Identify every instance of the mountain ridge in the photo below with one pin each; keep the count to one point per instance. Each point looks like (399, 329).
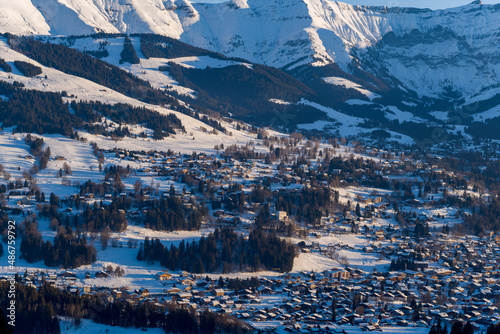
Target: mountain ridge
(417, 60)
(286, 34)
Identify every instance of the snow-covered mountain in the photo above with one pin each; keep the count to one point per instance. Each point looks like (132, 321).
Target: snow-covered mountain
(445, 55)
(434, 53)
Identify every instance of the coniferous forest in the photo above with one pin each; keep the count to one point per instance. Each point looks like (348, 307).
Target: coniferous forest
(80, 64)
(128, 54)
(4, 66)
(223, 250)
(27, 69)
(68, 249)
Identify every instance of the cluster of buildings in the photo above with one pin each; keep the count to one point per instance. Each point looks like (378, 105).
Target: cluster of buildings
(457, 280)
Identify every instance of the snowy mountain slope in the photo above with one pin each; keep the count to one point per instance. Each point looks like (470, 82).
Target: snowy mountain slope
(69, 17)
(21, 17)
(83, 89)
(260, 30)
(439, 54)
(210, 82)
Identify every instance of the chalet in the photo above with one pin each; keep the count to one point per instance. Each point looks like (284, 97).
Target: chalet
(173, 291)
(163, 276)
(101, 274)
(187, 281)
(143, 292)
(219, 292)
(282, 216)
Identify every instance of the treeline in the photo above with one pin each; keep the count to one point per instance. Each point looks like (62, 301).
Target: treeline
(80, 64)
(243, 92)
(128, 55)
(329, 94)
(36, 112)
(4, 66)
(170, 213)
(97, 217)
(27, 69)
(457, 328)
(487, 129)
(35, 314)
(222, 250)
(157, 46)
(67, 250)
(167, 214)
(44, 112)
(36, 145)
(238, 284)
(182, 320)
(37, 310)
(162, 125)
(4, 222)
(402, 264)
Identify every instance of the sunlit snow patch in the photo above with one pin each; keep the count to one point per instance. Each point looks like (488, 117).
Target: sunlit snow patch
(349, 84)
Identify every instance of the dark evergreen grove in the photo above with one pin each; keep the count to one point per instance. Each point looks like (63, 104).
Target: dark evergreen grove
(246, 93)
(170, 214)
(36, 112)
(162, 125)
(4, 66)
(243, 91)
(223, 251)
(67, 250)
(27, 69)
(158, 46)
(128, 55)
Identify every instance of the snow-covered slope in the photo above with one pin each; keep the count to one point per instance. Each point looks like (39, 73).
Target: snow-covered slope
(52, 80)
(258, 29)
(444, 53)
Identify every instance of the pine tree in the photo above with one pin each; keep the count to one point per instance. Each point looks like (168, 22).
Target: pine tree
(358, 210)
(468, 329)
(456, 328)
(334, 310)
